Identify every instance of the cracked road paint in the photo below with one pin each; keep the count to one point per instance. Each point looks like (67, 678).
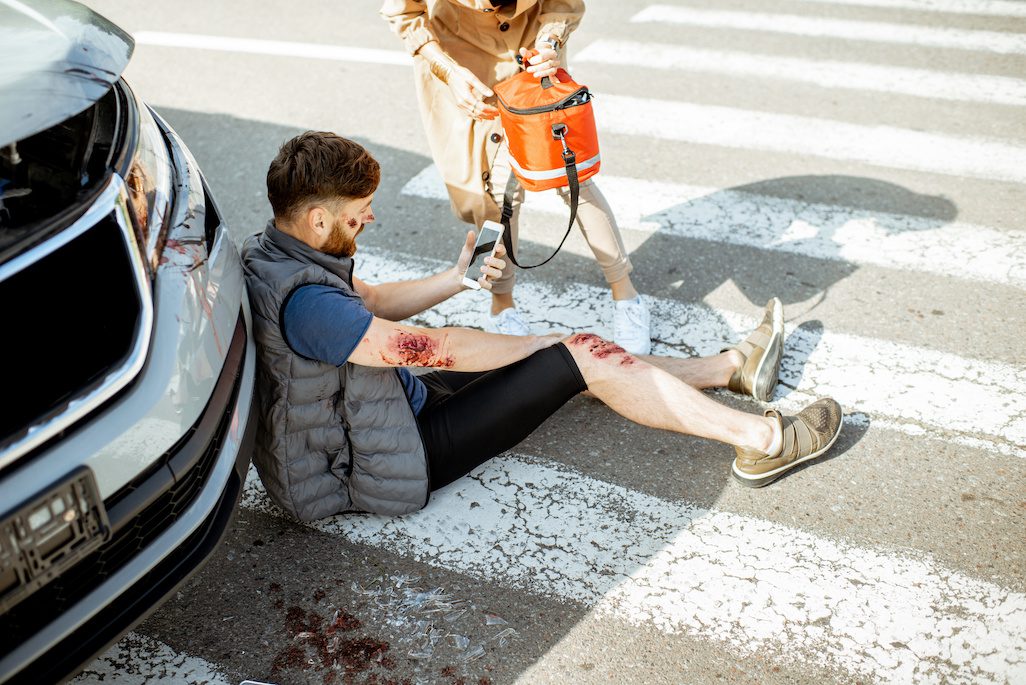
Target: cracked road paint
(974, 402)
(887, 146)
(873, 31)
(753, 585)
(140, 660)
(993, 8)
(1002, 90)
(858, 236)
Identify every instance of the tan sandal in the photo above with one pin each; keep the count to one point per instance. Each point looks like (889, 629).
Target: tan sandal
(805, 436)
(762, 351)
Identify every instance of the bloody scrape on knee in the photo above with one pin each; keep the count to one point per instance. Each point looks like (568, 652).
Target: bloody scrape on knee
(601, 349)
(415, 349)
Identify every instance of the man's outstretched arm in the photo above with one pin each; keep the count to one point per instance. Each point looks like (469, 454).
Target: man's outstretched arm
(403, 299)
(387, 343)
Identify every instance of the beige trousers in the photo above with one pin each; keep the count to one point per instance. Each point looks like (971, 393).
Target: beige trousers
(594, 218)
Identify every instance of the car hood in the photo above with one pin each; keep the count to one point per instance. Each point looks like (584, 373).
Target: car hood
(56, 59)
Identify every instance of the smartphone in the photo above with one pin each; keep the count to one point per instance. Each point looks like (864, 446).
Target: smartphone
(487, 242)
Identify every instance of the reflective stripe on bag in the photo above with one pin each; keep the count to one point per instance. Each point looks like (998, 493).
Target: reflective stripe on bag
(550, 174)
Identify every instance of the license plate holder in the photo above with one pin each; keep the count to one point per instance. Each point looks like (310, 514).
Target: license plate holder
(48, 534)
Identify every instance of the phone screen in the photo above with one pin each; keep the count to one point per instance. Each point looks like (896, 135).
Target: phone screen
(486, 240)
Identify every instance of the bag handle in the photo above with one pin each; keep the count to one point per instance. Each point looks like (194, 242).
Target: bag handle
(570, 164)
(546, 81)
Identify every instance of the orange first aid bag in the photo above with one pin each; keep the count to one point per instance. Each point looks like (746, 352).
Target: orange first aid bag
(543, 120)
(553, 143)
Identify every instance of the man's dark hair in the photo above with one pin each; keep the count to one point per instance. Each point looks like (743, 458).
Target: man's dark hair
(319, 167)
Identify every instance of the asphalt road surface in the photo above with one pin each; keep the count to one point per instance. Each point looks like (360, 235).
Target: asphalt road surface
(864, 160)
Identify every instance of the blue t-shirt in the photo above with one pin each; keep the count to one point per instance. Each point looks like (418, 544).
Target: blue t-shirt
(325, 324)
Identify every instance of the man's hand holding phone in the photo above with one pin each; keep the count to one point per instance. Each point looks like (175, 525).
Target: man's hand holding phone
(482, 257)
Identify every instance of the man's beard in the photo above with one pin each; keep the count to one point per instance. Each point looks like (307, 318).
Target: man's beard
(338, 243)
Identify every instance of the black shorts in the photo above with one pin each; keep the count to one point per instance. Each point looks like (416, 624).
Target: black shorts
(470, 417)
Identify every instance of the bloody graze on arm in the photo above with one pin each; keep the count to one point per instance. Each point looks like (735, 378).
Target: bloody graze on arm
(415, 349)
(601, 349)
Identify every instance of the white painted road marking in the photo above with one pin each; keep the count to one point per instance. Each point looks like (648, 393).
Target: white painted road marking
(272, 47)
(872, 31)
(1002, 90)
(140, 660)
(747, 130)
(901, 382)
(710, 125)
(757, 586)
(857, 236)
(992, 8)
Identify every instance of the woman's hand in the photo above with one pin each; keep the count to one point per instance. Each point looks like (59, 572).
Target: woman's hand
(467, 90)
(544, 63)
(470, 92)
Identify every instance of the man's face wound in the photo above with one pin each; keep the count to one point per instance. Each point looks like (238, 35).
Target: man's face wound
(341, 240)
(350, 222)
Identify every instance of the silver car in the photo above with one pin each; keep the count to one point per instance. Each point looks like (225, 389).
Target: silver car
(128, 365)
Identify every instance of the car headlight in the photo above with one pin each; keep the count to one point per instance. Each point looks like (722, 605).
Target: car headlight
(148, 184)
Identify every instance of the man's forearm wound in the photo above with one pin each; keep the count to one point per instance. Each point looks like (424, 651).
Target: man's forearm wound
(601, 349)
(416, 349)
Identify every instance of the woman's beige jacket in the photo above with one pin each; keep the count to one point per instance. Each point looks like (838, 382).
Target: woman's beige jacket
(486, 40)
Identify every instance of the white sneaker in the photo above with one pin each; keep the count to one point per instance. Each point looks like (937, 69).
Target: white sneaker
(631, 326)
(507, 322)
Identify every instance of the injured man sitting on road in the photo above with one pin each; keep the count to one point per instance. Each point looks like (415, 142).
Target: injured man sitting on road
(346, 426)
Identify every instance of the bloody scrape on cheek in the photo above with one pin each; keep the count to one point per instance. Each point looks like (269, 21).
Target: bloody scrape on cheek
(351, 223)
(415, 349)
(601, 349)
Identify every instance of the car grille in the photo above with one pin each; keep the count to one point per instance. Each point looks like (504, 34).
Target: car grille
(72, 319)
(169, 487)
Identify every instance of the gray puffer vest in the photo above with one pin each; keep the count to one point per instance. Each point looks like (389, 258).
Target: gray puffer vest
(330, 439)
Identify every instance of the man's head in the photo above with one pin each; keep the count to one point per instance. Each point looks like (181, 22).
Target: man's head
(320, 186)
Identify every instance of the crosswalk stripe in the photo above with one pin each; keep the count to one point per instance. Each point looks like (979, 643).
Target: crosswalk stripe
(877, 32)
(272, 47)
(748, 130)
(903, 383)
(141, 660)
(754, 585)
(1000, 90)
(857, 236)
(992, 8)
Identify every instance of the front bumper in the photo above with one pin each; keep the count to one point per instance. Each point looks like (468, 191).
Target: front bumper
(182, 506)
(170, 451)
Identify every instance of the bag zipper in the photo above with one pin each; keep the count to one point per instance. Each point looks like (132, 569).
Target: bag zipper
(579, 97)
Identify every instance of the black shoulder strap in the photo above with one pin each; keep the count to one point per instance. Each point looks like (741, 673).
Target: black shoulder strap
(570, 162)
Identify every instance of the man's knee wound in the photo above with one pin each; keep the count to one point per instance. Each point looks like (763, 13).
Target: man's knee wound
(601, 349)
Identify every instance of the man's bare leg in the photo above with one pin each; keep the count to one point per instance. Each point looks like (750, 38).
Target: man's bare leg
(699, 372)
(658, 398)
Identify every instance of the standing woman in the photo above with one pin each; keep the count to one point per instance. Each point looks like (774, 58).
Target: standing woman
(461, 48)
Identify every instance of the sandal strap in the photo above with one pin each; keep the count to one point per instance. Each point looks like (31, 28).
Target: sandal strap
(756, 339)
(798, 438)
